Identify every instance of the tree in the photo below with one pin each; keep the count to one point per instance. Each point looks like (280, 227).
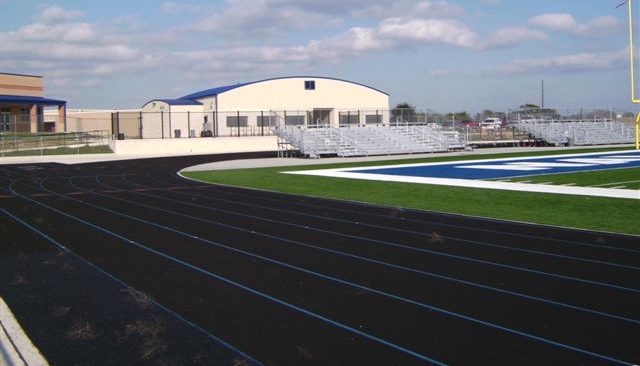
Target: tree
(459, 116)
(404, 112)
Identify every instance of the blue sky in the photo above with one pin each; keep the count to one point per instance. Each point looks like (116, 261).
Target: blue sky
(445, 55)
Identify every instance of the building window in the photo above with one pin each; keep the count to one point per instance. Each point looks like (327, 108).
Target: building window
(294, 120)
(232, 121)
(349, 118)
(373, 119)
(266, 121)
(309, 85)
(24, 114)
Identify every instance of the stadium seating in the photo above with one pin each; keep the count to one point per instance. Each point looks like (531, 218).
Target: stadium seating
(316, 141)
(560, 133)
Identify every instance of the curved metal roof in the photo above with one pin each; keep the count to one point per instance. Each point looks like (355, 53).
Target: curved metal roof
(222, 89)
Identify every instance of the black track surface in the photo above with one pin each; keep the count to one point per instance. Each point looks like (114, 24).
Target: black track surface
(239, 276)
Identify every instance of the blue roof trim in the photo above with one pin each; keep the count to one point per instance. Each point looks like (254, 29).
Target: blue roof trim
(213, 91)
(180, 101)
(222, 89)
(21, 99)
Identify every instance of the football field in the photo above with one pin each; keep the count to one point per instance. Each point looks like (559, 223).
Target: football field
(523, 192)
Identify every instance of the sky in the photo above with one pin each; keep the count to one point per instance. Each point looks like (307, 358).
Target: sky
(447, 55)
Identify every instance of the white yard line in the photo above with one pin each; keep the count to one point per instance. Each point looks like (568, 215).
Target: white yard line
(543, 187)
(613, 184)
(470, 183)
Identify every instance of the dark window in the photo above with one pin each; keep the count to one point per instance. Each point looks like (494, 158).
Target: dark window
(24, 114)
(266, 121)
(232, 121)
(294, 120)
(309, 85)
(351, 118)
(373, 118)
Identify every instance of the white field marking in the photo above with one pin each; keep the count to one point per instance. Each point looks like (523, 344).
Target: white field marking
(353, 173)
(618, 187)
(522, 158)
(544, 183)
(23, 346)
(551, 164)
(471, 183)
(568, 184)
(524, 181)
(524, 168)
(613, 184)
(600, 161)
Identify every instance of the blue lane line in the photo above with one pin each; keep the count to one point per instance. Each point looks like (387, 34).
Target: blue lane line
(351, 284)
(474, 242)
(366, 259)
(116, 279)
(387, 243)
(226, 280)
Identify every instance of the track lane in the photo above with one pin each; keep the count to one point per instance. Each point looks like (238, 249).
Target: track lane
(270, 228)
(173, 220)
(505, 240)
(358, 271)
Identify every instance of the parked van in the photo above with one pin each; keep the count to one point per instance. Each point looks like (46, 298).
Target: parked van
(492, 122)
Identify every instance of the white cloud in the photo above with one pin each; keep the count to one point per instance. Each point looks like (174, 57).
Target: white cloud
(441, 72)
(511, 36)
(410, 8)
(175, 8)
(567, 23)
(54, 13)
(68, 48)
(241, 19)
(578, 62)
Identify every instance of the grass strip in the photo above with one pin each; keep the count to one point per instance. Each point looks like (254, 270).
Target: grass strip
(100, 149)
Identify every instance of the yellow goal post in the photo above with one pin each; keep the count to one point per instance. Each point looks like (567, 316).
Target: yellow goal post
(632, 61)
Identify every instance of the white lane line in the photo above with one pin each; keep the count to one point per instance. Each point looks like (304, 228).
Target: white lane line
(618, 187)
(568, 184)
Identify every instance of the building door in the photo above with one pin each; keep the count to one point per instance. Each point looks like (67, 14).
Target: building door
(5, 119)
(321, 116)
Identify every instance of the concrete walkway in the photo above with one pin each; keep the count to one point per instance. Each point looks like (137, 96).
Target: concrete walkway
(284, 162)
(16, 348)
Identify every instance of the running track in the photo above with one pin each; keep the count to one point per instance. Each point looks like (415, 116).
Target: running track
(286, 280)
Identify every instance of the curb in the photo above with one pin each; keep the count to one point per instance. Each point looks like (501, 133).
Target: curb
(15, 346)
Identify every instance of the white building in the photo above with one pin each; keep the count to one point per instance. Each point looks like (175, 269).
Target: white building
(250, 108)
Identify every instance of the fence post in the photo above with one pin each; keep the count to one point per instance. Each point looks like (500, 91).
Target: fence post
(262, 123)
(238, 121)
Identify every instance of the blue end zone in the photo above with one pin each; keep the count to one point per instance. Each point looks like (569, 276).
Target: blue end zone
(519, 167)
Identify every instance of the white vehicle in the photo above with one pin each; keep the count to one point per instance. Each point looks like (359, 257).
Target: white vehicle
(492, 123)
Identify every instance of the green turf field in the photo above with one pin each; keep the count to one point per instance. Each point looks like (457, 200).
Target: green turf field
(595, 213)
(613, 178)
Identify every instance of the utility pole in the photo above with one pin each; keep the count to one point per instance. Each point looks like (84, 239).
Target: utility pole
(542, 99)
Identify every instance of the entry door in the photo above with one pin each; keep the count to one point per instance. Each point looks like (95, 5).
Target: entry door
(321, 116)
(5, 120)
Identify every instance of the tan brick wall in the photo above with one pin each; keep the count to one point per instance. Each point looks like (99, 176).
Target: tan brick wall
(32, 86)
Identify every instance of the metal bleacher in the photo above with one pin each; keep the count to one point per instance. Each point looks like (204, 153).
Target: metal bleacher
(353, 140)
(562, 133)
